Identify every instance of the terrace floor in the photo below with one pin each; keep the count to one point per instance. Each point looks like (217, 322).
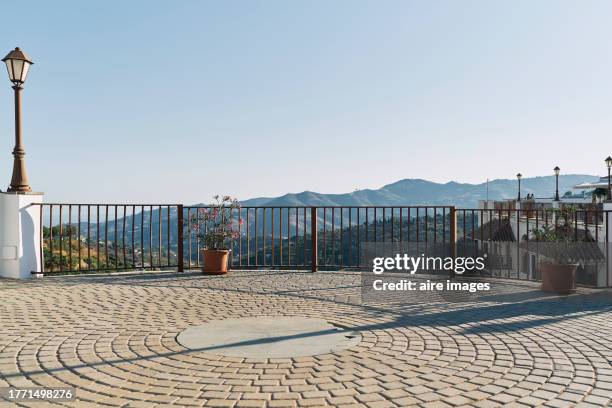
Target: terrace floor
(113, 338)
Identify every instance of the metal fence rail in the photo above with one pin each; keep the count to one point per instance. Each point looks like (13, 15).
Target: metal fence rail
(506, 238)
(78, 238)
(282, 236)
(108, 237)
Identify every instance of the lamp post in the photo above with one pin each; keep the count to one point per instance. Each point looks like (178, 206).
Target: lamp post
(18, 64)
(556, 170)
(609, 165)
(519, 176)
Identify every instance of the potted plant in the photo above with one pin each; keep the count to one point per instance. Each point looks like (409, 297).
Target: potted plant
(557, 244)
(599, 194)
(216, 226)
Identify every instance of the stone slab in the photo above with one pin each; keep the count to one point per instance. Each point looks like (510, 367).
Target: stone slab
(268, 337)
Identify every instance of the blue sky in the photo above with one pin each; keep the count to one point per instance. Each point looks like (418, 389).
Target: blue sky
(175, 101)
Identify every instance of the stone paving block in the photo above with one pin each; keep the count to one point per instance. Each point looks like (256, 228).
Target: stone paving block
(365, 398)
(251, 403)
(559, 403)
(596, 400)
(341, 401)
(220, 403)
(311, 402)
(282, 403)
(379, 404)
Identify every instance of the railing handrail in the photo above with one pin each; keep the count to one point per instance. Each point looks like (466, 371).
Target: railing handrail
(115, 204)
(328, 206)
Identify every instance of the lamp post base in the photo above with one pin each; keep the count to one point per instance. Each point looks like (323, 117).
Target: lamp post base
(19, 189)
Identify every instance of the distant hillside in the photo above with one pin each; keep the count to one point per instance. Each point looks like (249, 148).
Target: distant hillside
(146, 230)
(422, 192)
(402, 193)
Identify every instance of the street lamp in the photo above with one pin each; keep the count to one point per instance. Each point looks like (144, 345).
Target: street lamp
(518, 176)
(609, 165)
(18, 64)
(556, 170)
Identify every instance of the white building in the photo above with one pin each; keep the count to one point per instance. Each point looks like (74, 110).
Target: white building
(505, 234)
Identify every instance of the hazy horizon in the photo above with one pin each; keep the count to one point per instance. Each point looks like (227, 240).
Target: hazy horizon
(525, 182)
(176, 101)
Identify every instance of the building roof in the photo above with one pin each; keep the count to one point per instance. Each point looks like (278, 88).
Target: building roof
(602, 183)
(494, 230)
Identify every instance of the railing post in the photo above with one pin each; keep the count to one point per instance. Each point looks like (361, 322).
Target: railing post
(179, 245)
(453, 237)
(314, 253)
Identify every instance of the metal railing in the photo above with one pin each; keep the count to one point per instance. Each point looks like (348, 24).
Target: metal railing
(108, 237)
(117, 237)
(78, 238)
(282, 236)
(506, 238)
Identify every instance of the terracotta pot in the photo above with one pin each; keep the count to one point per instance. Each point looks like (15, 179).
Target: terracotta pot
(215, 261)
(558, 278)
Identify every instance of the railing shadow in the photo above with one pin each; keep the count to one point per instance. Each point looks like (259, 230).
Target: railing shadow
(495, 306)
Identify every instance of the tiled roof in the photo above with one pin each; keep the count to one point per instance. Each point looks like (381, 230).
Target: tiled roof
(494, 230)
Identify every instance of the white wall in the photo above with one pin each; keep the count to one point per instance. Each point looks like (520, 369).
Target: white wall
(20, 235)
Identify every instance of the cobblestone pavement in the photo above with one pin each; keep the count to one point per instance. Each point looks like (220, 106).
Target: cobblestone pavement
(113, 338)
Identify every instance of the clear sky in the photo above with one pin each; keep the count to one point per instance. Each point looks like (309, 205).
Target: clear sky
(173, 101)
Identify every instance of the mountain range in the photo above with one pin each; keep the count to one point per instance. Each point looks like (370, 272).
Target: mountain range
(424, 192)
(405, 192)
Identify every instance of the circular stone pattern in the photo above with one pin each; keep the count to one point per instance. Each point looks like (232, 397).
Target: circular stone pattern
(268, 337)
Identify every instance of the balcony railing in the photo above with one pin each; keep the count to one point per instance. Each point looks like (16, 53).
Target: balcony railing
(118, 237)
(109, 237)
(283, 236)
(82, 238)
